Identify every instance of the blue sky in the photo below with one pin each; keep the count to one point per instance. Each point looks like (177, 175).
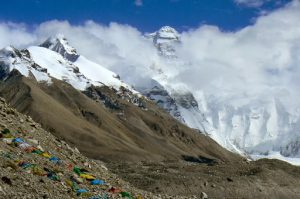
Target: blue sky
(145, 15)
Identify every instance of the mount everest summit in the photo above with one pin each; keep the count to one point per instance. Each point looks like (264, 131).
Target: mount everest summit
(255, 126)
(258, 127)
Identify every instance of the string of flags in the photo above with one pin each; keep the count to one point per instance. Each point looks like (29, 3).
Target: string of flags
(78, 175)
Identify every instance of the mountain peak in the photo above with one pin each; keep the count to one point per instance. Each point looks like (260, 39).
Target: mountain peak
(168, 32)
(164, 39)
(164, 33)
(167, 28)
(60, 44)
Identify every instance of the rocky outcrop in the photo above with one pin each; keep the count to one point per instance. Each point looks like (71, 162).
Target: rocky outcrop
(162, 98)
(292, 149)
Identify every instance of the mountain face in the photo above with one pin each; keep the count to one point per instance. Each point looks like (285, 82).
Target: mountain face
(256, 126)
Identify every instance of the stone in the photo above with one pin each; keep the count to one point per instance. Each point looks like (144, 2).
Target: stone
(229, 179)
(6, 180)
(203, 195)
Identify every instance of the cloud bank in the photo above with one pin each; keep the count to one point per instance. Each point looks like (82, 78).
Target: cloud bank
(261, 60)
(261, 57)
(16, 35)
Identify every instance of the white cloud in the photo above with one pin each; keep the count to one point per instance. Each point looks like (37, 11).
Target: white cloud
(15, 34)
(251, 3)
(138, 2)
(260, 58)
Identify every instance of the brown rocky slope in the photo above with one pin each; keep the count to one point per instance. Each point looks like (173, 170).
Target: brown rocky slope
(127, 133)
(144, 145)
(35, 164)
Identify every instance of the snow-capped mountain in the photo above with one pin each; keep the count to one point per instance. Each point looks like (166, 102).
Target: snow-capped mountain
(258, 127)
(61, 45)
(56, 58)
